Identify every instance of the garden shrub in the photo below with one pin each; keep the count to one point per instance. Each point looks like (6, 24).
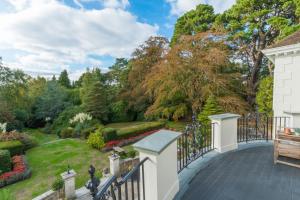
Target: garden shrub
(93, 127)
(127, 132)
(27, 140)
(62, 121)
(96, 140)
(131, 153)
(58, 184)
(20, 171)
(67, 133)
(5, 161)
(15, 147)
(109, 134)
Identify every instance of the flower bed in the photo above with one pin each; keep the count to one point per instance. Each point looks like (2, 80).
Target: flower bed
(19, 172)
(109, 145)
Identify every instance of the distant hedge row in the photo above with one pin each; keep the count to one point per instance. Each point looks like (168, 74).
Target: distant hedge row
(127, 132)
(15, 147)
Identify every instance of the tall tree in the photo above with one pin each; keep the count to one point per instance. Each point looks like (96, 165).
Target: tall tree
(93, 94)
(64, 80)
(253, 25)
(198, 20)
(51, 103)
(195, 68)
(143, 60)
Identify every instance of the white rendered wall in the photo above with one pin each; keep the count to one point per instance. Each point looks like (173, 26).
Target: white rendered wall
(286, 96)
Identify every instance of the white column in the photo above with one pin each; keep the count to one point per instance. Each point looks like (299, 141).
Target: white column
(69, 179)
(160, 171)
(114, 161)
(225, 131)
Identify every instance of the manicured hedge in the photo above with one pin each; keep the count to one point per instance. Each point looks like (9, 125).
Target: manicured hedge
(5, 161)
(109, 134)
(15, 147)
(130, 131)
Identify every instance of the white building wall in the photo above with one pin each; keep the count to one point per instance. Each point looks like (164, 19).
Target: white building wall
(286, 96)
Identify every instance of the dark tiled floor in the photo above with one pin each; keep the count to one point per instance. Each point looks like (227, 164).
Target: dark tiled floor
(246, 175)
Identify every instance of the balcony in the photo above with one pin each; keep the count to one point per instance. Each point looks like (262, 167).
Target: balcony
(248, 173)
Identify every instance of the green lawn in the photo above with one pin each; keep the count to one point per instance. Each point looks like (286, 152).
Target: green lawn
(48, 160)
(41, 137)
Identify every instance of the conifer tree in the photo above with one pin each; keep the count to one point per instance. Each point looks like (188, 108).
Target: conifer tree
(211, 107)
(64, 80)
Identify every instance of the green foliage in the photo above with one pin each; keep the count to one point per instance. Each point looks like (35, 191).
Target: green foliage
(6, 194)
(67, 132)
(119, 112)
(64, 80)
(211, 107)
(58, 184)
(5, 161)
(252, 26)
(96, 140)
(130, 131)
(27, 140)
(264, 98)
(94, 95)
(109, 134)
(51, 103)
(15, 147)
(194, 21)
(131, 153)
(63, 120)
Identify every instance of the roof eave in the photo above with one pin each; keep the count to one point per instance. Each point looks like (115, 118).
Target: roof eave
(272, 53)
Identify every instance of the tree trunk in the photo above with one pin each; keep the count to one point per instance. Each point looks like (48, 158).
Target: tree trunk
(254, 78)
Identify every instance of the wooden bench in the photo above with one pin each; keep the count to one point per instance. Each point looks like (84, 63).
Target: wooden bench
(287, 146)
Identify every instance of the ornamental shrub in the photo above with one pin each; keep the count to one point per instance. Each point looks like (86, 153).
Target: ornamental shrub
(211, 107)
(14, 147)
(67, 133)
(96, 140)
(27, 140)
(264, 97)
(5, 161)
(62, 121)
(109, 134)
(58, 184)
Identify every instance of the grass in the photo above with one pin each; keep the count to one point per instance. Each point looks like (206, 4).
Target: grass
(178, 126)
(41, 137)
(48, 160)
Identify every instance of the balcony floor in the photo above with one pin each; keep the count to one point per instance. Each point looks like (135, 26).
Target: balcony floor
(246, 175)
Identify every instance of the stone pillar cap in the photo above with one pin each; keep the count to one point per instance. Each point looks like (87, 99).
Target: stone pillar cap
(157, 142)
(66, 175)
(224, 116)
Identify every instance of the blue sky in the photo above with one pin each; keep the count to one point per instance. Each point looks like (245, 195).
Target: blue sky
(43, 37)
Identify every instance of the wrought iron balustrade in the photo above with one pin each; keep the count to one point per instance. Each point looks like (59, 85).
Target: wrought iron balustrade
(195, 141)
(131, 186)
(259, 127)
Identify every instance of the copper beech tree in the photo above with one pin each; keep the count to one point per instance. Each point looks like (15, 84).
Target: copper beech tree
(195, 68)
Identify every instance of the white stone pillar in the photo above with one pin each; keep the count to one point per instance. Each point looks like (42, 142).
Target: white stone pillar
(225, 131)
(114, 167)
(69, 179)
(160, 170)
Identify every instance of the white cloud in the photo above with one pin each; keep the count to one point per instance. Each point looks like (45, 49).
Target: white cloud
(53, 35)
(179, 7)
(105, 3)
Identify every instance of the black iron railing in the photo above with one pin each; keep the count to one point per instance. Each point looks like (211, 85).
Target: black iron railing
(131, 186)
(195, 141)
(259, 127)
